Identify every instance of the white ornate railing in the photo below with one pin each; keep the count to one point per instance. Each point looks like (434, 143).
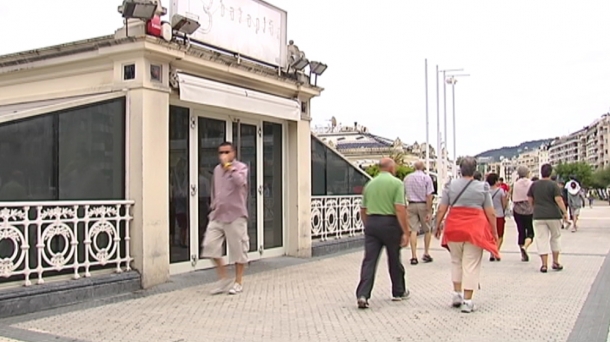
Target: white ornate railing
(339, 216)
(40, 238)
(335, 217)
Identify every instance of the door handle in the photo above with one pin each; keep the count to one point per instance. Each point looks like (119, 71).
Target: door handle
(193, 190)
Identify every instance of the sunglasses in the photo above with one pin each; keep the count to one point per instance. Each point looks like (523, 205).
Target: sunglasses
(224, 152)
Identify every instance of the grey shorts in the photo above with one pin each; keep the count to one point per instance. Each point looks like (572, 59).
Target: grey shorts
(236, 235)
(417, 217)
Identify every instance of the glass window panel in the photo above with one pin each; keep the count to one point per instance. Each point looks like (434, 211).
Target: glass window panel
(27, 160)
(212, 133)
(245, 141)
(273, 171)
(179, 241)
(91, 152)
(318, 168)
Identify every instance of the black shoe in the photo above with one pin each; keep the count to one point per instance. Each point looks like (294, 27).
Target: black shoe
(524, 256)
(414, 261)
(492, 258)
(427, 258)
(363, 303)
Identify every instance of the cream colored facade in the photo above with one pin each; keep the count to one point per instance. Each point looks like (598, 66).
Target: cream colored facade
(93, 70)
(589, 145)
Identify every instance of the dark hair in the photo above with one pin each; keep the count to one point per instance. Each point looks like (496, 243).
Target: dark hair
(477, 175)
(227, 143)
(501, 179)
(492, 179)
(573, 185)
(535, 179)
(546, 170)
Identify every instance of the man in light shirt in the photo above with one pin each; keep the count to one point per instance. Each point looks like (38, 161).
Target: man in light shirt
(419, 190)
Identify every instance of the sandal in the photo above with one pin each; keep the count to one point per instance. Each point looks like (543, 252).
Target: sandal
(414, 261)
(557, 266)
(544, 269)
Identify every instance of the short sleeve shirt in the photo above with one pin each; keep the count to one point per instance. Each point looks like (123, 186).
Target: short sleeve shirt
(544, 192)
(496, 198)
(475, 196)
(382, 193)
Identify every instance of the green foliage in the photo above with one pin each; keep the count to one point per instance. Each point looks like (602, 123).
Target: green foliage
(401, 170)
(582, 171)
(601, 178)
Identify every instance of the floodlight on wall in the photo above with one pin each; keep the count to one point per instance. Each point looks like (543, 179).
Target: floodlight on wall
(138, 9)
(184, 24)
(299, 64)
(317, 69)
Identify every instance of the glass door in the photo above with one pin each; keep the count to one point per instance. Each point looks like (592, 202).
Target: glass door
(246, 138)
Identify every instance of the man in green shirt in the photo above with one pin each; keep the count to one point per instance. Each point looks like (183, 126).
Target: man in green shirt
(384, 215)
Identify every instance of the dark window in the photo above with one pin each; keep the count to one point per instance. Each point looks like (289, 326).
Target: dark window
(74, 154)
(331, 175)
(129, 72)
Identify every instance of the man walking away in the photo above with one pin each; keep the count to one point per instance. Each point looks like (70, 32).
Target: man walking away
(419, 190)
(385, 221)
(228, 219)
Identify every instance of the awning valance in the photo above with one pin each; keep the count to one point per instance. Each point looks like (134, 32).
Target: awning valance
(25, 110)
(211, 93)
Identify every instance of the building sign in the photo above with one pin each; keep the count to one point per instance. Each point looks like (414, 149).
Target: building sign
(251, 28)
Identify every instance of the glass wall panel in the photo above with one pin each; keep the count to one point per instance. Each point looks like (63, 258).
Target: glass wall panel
(28, 159)
(212, 133)
(244, 138)
(75, 154)
(318, 168)
(179, 241)
(331, 175)
(273, 175)
(92, 152)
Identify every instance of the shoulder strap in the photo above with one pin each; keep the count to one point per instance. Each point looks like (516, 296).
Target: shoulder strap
(495, 193)
(460, 194)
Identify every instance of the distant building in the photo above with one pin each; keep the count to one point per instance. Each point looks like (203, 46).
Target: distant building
(363, 148)
(589, 144)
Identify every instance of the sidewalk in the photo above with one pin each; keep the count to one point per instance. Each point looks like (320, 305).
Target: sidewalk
(313, 300)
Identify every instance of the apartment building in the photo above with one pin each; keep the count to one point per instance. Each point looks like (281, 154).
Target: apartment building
(589, 144)
(534, 159)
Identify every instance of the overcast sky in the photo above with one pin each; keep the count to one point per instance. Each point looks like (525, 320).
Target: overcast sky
(538, 69)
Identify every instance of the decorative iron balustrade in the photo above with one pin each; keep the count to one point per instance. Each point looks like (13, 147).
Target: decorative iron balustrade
(335, 216)
(58, 237)
(339, 216)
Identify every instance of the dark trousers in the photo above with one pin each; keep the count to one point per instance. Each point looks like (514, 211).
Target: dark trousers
(525, 227)
(379, 232)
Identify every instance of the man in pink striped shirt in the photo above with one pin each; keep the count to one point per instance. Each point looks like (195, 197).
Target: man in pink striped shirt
(419, 190)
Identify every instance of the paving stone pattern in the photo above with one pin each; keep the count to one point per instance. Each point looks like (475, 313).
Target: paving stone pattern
(314, 301)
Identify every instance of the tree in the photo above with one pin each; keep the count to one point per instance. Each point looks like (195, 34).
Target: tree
(601, 178)
(401, 170)
(581, 171)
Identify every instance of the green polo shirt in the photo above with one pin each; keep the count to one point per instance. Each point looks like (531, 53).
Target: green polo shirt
(381, 194)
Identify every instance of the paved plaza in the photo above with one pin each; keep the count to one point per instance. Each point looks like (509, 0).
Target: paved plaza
(288, 299)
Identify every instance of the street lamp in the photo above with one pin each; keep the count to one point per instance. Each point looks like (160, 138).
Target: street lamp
(445, 71)
(452, 81)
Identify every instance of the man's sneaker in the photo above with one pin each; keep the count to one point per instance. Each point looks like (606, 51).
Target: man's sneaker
(403, 297)
(458, 300)
(237, 288)
(363, 303)
(221, 286)
(467, 306)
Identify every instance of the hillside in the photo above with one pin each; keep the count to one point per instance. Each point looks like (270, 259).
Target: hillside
(511, 151)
